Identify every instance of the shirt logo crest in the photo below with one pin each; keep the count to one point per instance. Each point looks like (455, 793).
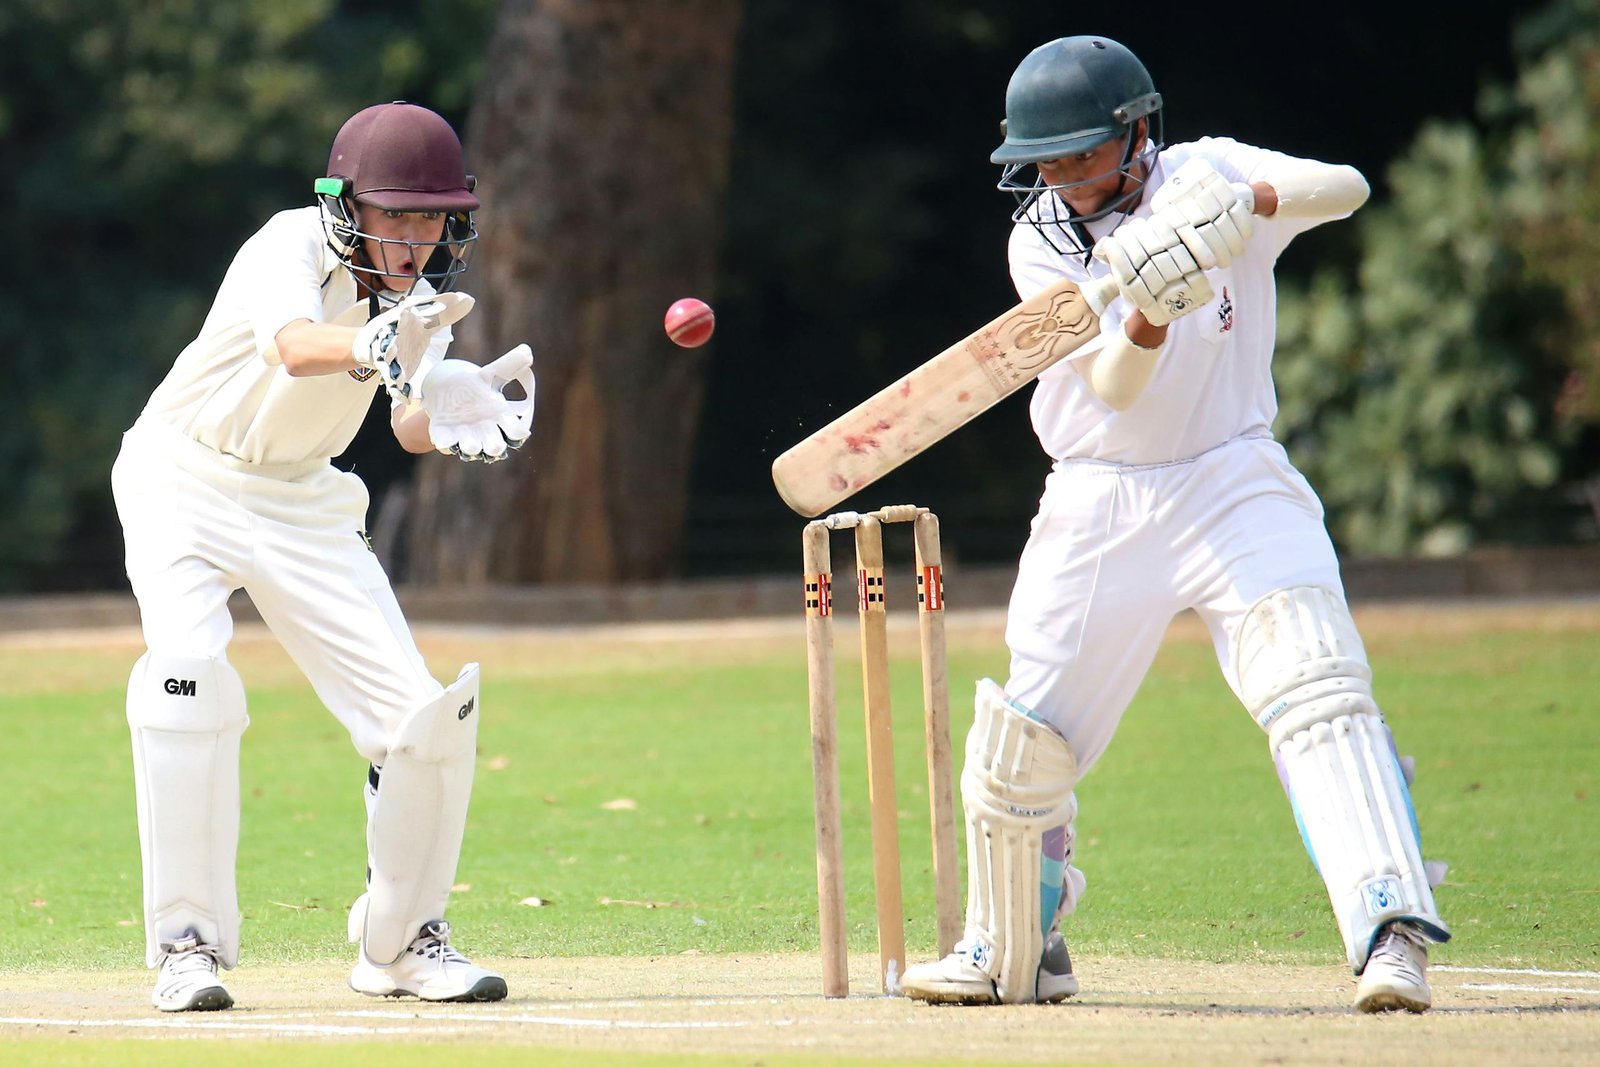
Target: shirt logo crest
(361, 374)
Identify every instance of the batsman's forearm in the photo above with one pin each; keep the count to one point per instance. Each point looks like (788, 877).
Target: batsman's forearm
(1119, 372)
(308, 349)
(1307, 189)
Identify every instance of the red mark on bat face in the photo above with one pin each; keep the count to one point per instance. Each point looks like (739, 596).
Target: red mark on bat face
(859, 443)
(905, 388)
(837, 483)
(963, 396)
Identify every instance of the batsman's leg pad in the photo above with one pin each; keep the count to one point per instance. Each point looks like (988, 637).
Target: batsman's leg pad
(186, 716)
(1303, 673)
(417, 819)
(1016, 787)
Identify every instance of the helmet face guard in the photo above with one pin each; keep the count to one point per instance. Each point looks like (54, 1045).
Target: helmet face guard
(441, 262)
(1040, 204)
(405, 158)
(1065, 98)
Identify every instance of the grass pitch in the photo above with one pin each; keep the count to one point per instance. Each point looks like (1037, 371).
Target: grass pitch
(645, 791)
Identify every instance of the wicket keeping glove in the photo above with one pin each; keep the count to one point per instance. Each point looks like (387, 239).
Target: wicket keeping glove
(396, 341)
(469, 415)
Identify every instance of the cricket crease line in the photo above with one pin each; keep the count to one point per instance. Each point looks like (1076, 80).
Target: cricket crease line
(1484, 987)
(550, 1020)
(195, 1024)
(1516, 970)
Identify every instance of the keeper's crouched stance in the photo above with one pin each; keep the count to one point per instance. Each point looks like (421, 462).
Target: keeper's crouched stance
(225, 482)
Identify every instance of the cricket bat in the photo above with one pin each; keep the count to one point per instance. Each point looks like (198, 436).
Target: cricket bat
(939, 397)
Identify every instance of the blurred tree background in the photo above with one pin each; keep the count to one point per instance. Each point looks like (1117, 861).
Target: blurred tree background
(1438, 355)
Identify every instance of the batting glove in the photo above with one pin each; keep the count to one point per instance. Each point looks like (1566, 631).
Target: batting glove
(1154, 270)
(1214, 217)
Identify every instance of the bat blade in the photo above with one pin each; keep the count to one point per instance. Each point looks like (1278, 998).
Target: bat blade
(937, 398)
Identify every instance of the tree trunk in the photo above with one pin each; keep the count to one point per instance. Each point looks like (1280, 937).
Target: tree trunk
(600, 137)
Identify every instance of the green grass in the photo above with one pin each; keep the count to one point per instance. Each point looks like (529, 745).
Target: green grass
(1184, 833)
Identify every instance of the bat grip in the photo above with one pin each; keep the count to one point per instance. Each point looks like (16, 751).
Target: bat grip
(1099, 292)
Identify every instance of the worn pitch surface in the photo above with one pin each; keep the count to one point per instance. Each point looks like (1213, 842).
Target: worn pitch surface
(1146, 1011)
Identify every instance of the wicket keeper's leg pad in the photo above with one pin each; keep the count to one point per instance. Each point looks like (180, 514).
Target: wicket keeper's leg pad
(186, 715)
(417, 820)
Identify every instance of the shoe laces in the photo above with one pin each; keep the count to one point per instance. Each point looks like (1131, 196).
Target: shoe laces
(187, 954)
(1402, 948)
(433, 943)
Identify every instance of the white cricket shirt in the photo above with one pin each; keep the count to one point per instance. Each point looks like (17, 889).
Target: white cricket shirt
(1213, 381)
(229, 390)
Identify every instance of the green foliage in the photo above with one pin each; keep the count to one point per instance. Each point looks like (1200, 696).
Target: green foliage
(1442, 405)
(144, 140)
(1552, 159)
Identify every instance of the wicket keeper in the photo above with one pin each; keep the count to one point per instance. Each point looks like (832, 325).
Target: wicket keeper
(225, 482)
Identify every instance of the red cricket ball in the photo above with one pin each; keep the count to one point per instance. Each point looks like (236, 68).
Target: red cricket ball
(689, 322)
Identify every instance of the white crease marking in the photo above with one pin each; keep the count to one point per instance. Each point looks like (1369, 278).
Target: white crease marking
(1515, 970)
(1485, 988)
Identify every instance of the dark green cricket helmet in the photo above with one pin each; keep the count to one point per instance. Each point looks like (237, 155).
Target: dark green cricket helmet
(1071, 95)
(1067, 97)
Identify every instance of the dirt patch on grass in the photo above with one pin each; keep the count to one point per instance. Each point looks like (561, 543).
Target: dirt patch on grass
(1131, 1011)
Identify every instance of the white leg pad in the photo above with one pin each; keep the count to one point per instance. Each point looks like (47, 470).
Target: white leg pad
(186, 716)
(1304, 675)
(418, 819)
(1016, 784)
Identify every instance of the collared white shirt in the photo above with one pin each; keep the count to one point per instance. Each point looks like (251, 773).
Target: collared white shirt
(1213, 381)
(229, 390)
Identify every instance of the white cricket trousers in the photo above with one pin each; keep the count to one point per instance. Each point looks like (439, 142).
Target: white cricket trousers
(199, 525)
(1117, 551)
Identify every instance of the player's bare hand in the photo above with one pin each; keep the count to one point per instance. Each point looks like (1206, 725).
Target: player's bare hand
(469, 415)
(1154, 270)
(1214, 217)
(396, 341)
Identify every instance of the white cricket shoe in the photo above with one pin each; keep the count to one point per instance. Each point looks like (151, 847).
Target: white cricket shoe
(954, 979)
(429, 969)
(1396, 976)
(187, 979)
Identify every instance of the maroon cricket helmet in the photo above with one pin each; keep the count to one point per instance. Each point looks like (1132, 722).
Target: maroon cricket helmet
(402, 157)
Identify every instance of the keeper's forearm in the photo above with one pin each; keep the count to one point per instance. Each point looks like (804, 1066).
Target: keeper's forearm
(410, 425)
(307, 349)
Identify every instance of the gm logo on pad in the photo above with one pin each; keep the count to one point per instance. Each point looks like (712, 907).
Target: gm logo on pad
(179, 687)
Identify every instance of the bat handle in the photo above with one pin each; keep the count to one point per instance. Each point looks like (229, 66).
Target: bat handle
(1099, 292)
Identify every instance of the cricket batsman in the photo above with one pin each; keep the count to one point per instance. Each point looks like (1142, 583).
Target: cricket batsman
(1168, 492)
(225, 482)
